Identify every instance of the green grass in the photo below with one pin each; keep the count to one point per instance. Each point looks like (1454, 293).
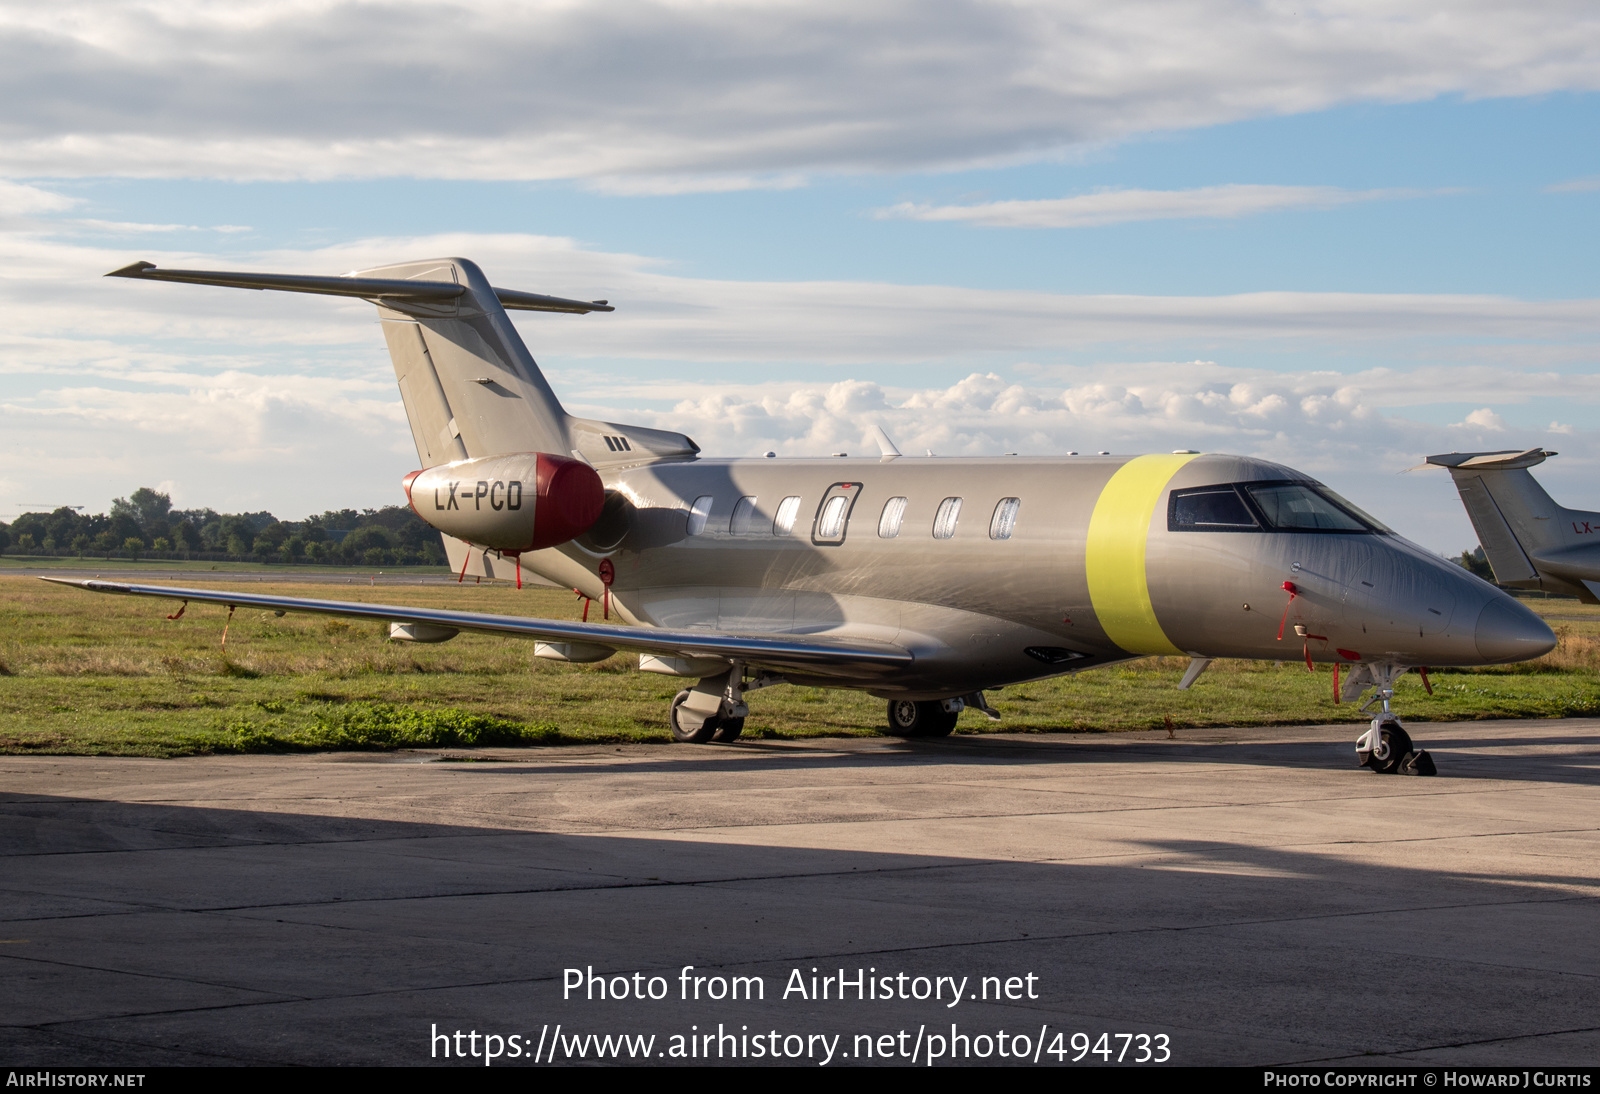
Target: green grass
(15, 562)
(82, 673)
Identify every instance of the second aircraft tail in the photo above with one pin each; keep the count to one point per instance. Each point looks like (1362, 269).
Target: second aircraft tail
(1523, 531)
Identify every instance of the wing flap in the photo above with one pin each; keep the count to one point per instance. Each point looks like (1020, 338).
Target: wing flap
(815, 655)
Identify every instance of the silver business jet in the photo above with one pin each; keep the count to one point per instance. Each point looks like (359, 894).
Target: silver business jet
(922, 581)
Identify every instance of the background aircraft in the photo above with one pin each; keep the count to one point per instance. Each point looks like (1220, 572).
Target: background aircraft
(1529, 540)
(921, 581)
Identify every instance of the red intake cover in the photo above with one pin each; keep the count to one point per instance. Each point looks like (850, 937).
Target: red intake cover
(406, 484)
(570, 498)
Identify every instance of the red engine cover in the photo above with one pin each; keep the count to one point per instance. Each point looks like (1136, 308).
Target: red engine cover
(570, 499)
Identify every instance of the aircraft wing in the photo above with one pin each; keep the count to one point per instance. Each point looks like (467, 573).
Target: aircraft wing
(813, 655)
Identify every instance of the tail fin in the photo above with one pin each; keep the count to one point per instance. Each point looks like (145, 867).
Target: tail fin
(470, 386)
(1519, 525)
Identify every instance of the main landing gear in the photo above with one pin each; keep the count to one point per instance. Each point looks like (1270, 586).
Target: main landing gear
(933, 717)
(1386, 748)
(714, 710)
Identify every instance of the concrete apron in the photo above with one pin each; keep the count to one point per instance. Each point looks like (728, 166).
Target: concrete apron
(1248, 893)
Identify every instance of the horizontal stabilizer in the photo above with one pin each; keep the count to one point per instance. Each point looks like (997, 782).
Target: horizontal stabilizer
(1509, 460)
(376, 289)
(813, 655)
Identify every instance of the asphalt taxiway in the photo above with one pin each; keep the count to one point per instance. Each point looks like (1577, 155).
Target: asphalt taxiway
(1248, 893)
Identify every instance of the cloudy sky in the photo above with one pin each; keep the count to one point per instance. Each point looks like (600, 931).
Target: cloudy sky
(1341, 235)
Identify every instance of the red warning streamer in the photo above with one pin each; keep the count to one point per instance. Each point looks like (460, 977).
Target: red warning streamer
(1288, 587)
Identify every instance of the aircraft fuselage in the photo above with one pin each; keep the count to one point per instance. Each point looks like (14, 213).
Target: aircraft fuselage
(1092, 568)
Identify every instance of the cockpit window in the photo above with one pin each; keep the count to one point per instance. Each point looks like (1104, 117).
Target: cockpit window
(1211, 509)
(1295, 507)
(1266, 507)
(1366, 518)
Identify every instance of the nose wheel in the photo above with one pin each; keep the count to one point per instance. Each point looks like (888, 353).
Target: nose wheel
(1383, 746)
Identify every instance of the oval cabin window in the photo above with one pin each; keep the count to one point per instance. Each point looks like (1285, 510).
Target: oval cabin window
(830, 523)
(894, 511)
(1004, 521)
(699, 513)
(744, 514)
(783, 523)
(944, 521)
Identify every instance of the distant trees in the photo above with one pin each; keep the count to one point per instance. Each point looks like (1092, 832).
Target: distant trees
(1474, 561)
(145, 524)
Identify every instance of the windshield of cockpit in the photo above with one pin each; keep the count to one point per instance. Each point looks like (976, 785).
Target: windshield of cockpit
(1281, 506)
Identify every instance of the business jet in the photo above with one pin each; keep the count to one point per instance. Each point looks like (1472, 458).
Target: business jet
(923, 581)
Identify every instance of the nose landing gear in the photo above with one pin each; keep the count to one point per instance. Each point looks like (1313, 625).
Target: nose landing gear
(1386, 748)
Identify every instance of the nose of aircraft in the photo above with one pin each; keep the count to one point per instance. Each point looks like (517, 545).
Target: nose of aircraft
(1509, 632)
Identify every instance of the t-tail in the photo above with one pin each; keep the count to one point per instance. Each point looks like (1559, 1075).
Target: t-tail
(1530, 541)
(471, 388)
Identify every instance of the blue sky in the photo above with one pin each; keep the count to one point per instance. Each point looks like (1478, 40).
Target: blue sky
(1341, 237)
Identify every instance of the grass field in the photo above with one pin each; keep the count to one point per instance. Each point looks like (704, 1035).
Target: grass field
(84, 673)
(156, 566)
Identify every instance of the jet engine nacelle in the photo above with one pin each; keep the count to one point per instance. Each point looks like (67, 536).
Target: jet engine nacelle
(522, 502)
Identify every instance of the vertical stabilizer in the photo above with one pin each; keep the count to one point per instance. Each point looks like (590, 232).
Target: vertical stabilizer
(470, 386)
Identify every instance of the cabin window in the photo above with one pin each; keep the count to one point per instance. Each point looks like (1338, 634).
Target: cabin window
(894, 511)
(743, 520)
(944, 521)
(783, 523)
(833, 514)
(1004, 521)
(698, 514)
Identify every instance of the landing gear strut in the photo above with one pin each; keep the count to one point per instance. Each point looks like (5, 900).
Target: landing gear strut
(1386, 748)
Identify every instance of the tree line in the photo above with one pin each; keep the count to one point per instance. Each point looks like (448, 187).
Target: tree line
(145, 525)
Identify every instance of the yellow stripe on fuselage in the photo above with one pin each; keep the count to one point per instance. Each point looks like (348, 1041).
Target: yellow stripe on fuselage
(1119, 530)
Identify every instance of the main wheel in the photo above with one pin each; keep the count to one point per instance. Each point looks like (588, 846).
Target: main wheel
(925, 719)
(700, 736)
(1396, 745)
(728, 729)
